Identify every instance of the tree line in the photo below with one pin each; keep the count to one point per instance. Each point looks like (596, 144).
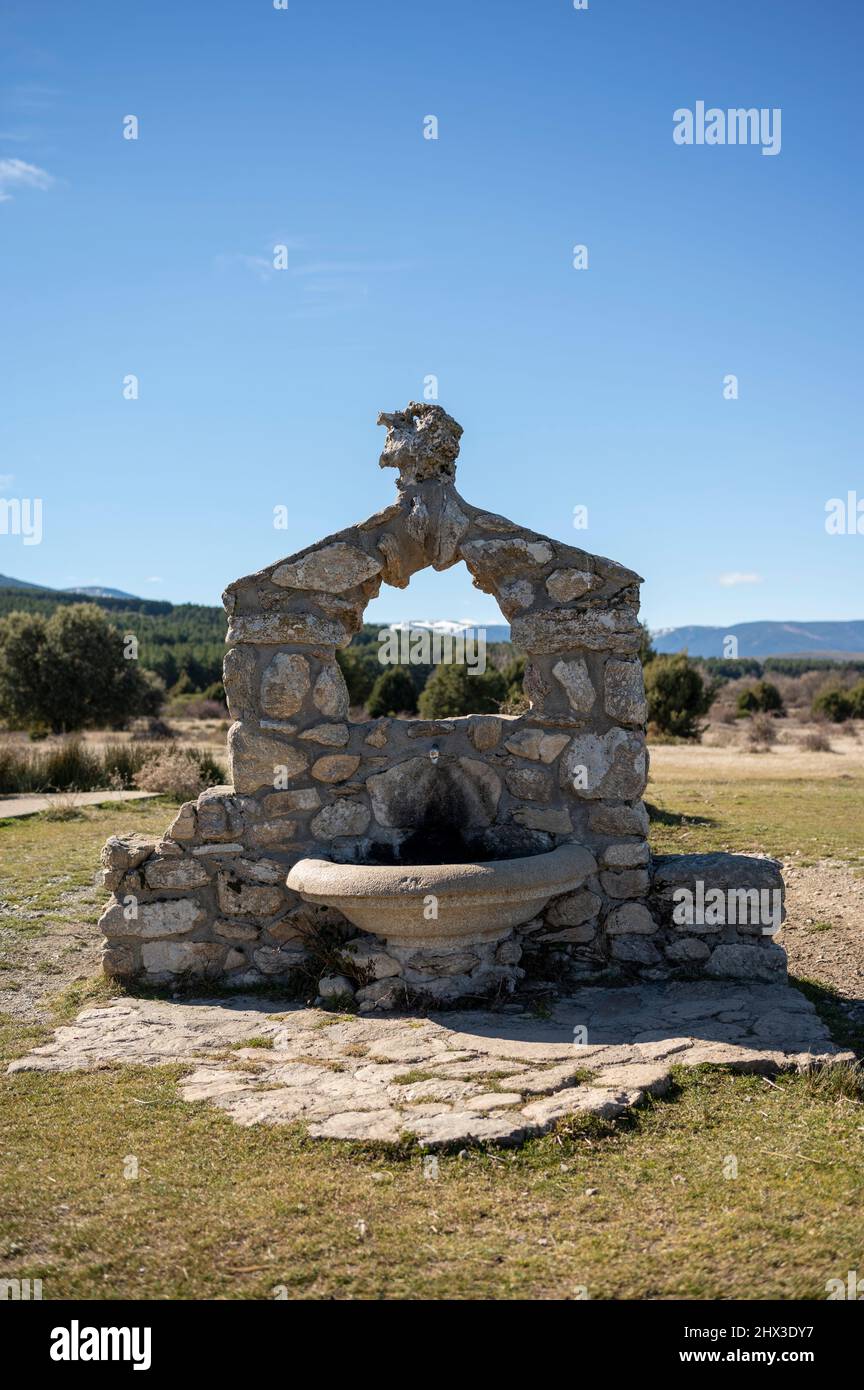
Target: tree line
(68, 665)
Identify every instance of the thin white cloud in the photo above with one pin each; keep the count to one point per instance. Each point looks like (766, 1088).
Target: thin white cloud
(6, 480)
(317, 279)
(154, 579)
(18, 174)
(730, 580)
(259, 265)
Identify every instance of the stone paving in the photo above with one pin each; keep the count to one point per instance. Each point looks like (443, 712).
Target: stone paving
(450, 1078)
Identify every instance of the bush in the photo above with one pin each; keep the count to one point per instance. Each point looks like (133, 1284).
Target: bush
(452, 691)
(761, 732)
(761, 698)
(816, 742)
(178, 773)
(393, 693)
(154, 729)
(834, 704)
(677, 694)
(70, 766)
(70, 671)
(646, 649)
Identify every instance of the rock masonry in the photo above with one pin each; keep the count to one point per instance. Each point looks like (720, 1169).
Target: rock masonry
(210, 899)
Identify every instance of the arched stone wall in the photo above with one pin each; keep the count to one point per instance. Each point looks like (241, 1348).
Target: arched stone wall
(305, 781)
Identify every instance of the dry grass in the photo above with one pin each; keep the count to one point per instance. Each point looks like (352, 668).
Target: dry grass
(219, 1211)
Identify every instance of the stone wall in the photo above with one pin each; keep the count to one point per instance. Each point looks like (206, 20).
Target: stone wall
(211, 897)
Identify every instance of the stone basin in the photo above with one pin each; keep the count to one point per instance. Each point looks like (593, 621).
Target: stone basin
(475, 901)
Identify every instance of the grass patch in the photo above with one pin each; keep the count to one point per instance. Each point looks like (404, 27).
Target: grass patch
(252, 1042)
(84, 994)
(50, 866)
(222, 1211)
(777, 816)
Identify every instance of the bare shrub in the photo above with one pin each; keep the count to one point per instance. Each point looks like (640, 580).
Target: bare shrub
(172, 771)
(816, 741)
(65, 806)
(761, 733)
(204, 709)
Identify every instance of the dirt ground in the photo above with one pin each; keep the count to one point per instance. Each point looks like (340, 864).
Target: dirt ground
(64, 955)
(824, 931)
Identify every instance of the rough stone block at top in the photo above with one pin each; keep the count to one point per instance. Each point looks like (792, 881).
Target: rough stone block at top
(288, 630)
(565, 629)
(332, 568)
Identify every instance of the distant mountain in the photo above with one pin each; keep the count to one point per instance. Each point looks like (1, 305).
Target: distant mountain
(96, 591)
(87, 591)
(8, 583)
(495, 632)
(830, 639)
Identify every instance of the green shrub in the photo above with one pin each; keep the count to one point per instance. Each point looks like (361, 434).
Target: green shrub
(646, 648)
(452, 691)
(358, 669)
(761, 698)
(677, 695)
(70, 671)
(834, 704)
(393, 693)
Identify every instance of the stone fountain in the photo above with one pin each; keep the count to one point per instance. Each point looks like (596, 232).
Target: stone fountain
(436, 859)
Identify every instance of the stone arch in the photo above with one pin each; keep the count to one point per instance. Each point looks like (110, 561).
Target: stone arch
(305, 782)
(572, 613)
(211, 896)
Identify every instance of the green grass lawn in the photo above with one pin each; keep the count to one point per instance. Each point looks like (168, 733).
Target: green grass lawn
(639, 1208)
(820, 819)
(49, 866)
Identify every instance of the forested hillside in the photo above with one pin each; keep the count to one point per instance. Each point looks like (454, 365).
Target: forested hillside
(175, 640)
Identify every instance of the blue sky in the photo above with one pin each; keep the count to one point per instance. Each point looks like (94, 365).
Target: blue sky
(408, 257)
